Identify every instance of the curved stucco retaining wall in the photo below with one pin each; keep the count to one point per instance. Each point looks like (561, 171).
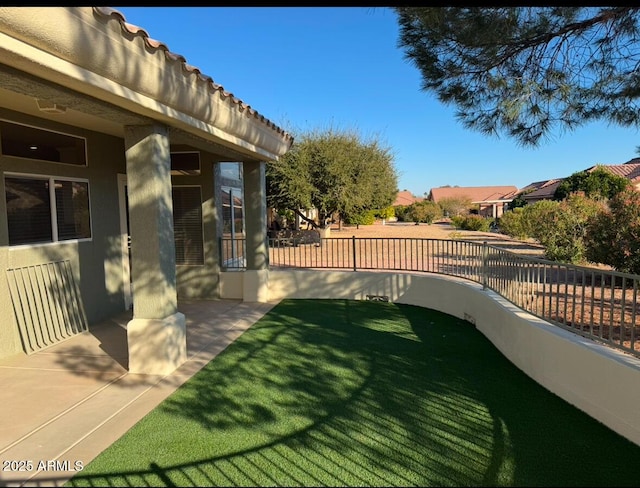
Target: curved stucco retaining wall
(602, 382)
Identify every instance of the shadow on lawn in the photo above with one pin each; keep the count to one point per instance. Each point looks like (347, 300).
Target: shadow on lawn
(341, 392)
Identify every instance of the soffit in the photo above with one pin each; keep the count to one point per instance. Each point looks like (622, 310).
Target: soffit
(95, 53)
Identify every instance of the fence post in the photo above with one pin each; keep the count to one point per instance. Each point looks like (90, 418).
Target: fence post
(485, 271)
(353, 246)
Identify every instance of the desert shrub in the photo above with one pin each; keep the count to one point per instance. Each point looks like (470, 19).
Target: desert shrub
(537, 218)
(476, 222)
(471, 222)
(613, 235)
(452, 207)
(513, 223)
(401, 212)
(385, 213)
(425, 211)
(457, 221)
(368, 217)
(561, 227)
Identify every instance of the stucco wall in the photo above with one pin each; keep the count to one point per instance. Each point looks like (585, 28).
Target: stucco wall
(597, 379)
(96, 264)
(201, 281)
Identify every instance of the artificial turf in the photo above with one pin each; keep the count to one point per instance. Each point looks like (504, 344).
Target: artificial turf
(355, 393)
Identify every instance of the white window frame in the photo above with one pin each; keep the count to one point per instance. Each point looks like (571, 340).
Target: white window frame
(54, 215)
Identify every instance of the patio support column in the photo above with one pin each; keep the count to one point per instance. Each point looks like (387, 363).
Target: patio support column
(157, 333)
(256, 276)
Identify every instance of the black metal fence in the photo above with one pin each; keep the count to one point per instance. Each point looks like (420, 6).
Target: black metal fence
(594, 303)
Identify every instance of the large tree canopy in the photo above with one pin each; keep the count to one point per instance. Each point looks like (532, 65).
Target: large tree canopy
(334, 172)
(525, 71)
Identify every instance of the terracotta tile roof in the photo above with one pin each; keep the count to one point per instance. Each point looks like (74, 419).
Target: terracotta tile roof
(405, 197)
(188, 69)
(477, 194)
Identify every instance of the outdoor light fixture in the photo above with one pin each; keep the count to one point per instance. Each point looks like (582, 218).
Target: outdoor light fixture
(50, 107)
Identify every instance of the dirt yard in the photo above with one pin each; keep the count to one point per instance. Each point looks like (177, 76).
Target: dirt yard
(438, 230)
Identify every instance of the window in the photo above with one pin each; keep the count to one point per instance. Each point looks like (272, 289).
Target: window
(230, 174)
(232, 211)
(185, 163)
(187, 225)
(46, 209)
(24, 141)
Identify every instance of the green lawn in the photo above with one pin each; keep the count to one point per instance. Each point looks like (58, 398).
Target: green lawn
(351, 393)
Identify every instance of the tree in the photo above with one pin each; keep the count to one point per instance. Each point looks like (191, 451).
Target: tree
(452, 206)
(599, 184)
(335, 172)
(613, 235)
(425, 211)
(526, 70)
(518, 201)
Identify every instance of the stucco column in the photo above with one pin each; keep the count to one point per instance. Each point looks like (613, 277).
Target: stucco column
(157, 334)
(256, 276)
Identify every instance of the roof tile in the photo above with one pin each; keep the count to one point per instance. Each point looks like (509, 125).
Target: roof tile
(187, 68)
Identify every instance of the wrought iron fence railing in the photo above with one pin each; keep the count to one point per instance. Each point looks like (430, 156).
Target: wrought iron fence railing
(595, 303)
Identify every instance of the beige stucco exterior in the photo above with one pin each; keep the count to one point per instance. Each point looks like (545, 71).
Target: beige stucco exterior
(134, 102)
(594, 378)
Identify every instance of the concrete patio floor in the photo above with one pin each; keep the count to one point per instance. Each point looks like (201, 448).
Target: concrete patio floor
(62, 406)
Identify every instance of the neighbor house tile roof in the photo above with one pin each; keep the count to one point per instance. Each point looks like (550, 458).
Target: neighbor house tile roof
(405, 197)
(188, 70)
(476, 194)
(540, 190)
(629, 170)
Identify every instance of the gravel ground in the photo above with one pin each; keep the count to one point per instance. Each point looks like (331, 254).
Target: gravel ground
(438, 230)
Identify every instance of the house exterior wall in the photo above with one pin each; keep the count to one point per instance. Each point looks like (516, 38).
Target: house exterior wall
(96, 263)
(202, 281)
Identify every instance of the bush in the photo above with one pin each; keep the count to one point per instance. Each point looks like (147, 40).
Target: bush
(537, 218)
(471, 222)
(561, 227)
(513, 223)
(457, 221)
(385, 213)
(425, 211)
(401, 212)
(452, 207)
(368, 217)
(613, 235)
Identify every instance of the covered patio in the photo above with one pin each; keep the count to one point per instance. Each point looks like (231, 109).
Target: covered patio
(67, 403)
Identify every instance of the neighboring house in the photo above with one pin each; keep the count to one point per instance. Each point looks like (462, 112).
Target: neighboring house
(544, 190)
(109, 138)
(629, 170)
(539, 190)
(491, 200)
(406, 198)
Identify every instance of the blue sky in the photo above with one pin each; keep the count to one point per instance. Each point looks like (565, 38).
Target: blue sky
(305, 68)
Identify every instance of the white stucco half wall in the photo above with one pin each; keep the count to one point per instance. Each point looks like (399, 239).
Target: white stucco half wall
(601, 381)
